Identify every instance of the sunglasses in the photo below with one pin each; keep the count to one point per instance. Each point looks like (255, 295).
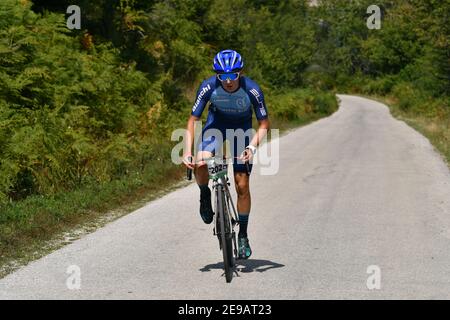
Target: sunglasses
(228, 76)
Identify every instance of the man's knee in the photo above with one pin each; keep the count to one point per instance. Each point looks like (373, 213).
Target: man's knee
(242, 189)
(201, 155)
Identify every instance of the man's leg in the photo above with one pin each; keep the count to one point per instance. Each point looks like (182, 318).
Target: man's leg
(241, 181)
(243, 206)
(202, 178)
(201, 169)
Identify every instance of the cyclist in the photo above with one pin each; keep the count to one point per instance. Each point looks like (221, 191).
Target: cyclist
(232, 98)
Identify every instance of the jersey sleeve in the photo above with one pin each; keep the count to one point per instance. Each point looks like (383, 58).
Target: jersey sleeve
(203, 95)
(257, 98)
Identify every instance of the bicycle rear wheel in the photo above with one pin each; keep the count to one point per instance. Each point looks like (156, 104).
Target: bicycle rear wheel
(225, 235)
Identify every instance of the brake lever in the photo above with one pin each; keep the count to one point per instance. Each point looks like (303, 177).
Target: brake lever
(189, 171)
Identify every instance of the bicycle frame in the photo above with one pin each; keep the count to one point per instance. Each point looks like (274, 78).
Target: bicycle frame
(223, 183)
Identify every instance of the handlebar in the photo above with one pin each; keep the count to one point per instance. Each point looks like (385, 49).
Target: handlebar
(189, 171)
(247, 166)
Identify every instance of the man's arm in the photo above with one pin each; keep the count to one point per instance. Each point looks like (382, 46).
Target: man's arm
(259, 106)
(203, 95)
(189, 141)
(264, 126)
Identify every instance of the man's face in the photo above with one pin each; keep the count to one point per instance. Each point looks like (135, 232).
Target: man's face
(227, 83)
(230, 85)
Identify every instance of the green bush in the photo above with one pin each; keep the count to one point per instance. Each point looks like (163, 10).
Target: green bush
(420, 102)
(381, 86)
(405, 94)
(301, 104)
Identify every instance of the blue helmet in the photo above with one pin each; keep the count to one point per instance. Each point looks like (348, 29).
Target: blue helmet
(228, 61)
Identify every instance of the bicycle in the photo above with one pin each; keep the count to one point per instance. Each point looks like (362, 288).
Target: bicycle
(224, 219)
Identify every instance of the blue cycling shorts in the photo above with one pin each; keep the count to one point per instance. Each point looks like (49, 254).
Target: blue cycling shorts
(238, 140)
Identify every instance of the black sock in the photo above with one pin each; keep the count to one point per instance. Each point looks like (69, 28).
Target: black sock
(204, 191)
(243, 223)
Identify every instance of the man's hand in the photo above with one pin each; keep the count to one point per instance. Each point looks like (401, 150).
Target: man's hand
(247, 154)
(187, 161)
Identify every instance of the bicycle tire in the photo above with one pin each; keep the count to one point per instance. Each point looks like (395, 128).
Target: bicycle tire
(225, 236)
(229, 233)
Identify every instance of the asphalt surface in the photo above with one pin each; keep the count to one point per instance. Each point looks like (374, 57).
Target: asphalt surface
(354, 190)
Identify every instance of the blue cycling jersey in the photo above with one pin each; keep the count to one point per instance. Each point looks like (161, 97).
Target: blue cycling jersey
(229, 110)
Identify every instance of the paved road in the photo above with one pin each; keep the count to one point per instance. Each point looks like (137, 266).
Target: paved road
(354, 190)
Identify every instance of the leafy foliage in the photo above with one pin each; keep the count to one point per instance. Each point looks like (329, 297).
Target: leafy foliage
(66, 114)
(94, 105)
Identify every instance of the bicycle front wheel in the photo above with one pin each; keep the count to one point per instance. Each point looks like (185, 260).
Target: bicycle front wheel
(225, 235)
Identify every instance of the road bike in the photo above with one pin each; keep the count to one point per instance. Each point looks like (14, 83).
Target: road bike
(226, 217)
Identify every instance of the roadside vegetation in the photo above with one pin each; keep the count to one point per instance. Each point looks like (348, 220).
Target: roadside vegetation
(406, 62)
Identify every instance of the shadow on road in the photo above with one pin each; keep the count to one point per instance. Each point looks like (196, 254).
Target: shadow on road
(246, 266)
